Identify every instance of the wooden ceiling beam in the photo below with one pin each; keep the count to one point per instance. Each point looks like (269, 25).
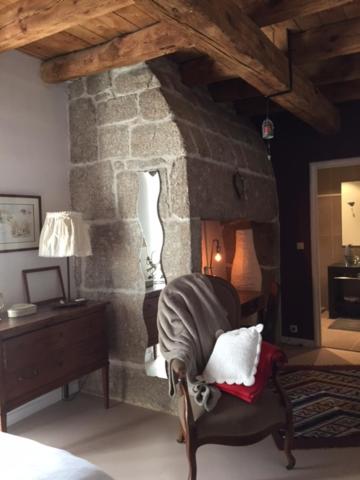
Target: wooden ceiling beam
(204, 71)
(25, 21)
(146, 44)
(270, 12)
(327, 41)
(342, 92)
(236, 90)
(222, 31)
(333, 70)
(337, 93)
(233, 89)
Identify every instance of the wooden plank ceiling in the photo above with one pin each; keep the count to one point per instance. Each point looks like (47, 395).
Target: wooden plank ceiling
(238, 48)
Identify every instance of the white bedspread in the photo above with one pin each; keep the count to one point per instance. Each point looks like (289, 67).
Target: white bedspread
(24, 459)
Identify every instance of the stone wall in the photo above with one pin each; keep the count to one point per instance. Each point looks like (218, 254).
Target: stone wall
(143, 118)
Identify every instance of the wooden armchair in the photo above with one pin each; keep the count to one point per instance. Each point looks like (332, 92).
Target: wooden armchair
(232, 422)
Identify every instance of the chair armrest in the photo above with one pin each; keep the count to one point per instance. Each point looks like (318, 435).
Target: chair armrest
(179, 368)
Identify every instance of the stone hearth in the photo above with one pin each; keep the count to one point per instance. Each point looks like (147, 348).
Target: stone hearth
(143, 118)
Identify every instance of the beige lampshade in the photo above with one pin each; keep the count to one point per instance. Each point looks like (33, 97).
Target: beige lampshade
(64, 234)
(246, 272)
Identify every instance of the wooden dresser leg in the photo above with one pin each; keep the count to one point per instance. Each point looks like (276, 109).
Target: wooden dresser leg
(105, 382)
(3, 425)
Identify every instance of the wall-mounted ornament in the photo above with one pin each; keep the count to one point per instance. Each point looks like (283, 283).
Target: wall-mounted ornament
(351, 205)
(239, 185)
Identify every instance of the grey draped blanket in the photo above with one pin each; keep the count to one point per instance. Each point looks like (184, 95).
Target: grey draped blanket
(189, 316)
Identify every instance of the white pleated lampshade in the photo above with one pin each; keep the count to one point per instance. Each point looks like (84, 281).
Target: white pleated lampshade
(64, 234)
(246, 272)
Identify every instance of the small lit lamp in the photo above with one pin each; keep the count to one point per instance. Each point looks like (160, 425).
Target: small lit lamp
(65, 234)
(217, 256)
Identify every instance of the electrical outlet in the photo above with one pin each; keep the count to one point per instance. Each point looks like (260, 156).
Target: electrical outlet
(294, 329)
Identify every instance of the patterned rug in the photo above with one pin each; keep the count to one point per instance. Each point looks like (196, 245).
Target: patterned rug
(326, 405)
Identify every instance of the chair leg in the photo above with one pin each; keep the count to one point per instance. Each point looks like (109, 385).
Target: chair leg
(181, 435)
(287, 448)
(191, 455)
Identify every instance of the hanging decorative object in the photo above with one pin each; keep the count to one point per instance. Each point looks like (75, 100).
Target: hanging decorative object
(268, 129)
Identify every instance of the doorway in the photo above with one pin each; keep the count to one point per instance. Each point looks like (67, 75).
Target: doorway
(336, 281)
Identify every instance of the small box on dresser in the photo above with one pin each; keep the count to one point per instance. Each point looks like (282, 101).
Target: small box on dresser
(49, 349)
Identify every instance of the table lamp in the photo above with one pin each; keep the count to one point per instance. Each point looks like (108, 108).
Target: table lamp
(65, 234)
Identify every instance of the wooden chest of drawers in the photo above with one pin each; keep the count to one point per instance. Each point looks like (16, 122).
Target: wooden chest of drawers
(41, 352)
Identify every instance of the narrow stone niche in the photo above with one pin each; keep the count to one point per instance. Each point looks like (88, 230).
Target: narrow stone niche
(143, 118)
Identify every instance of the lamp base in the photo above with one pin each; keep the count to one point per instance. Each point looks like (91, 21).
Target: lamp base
(78, 302)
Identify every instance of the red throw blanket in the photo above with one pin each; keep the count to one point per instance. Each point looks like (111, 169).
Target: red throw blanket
(268, 356)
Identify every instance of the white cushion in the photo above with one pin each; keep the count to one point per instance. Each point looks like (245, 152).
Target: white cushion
(235, 357)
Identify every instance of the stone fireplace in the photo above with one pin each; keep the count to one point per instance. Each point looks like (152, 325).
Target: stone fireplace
(143, 118)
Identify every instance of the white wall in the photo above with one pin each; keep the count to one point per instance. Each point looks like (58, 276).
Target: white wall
(34, 154)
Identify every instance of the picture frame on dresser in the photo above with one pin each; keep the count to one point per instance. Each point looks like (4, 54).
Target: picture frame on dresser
(44, 285)
(20, 222)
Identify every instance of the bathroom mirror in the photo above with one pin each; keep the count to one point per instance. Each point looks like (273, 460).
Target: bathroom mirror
(350, 213)
(153, 234)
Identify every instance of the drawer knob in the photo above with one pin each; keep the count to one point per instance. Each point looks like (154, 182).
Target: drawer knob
(34, 373)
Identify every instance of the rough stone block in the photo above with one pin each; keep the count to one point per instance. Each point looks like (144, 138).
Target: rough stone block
(209, 122)
(168, 76)
(134, 79)
(179, 193)
(257, 161)
(212, 194)
(146, 164)
(152, 140)
(130, 384)
(92, 192)
(153, 105)
(182, 108)
(196, 254)
(220, 150)
(187, 137)
(126, 327)
(115, 261)
(117, 109)
(239, 155)
(267, 241)
(262, 204)
(98, 83)
(127, 184)
(165, 196)
(76, 88)
(119, 165)
(177, 256)
(83, 131)
(203, 99)
(113, 141)
(200, 141)
(103, 96)
(78, 271)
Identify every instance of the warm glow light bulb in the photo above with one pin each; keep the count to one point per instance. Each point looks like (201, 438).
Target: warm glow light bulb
(217, 257)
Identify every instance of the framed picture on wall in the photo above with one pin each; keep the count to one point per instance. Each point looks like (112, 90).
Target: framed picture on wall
(20, 222)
